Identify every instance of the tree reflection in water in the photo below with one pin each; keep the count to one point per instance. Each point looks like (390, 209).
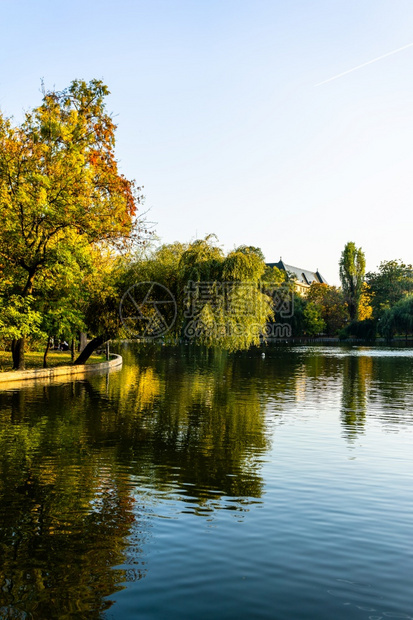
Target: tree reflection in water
(357, 375)
(72, 458)
(66, 509)
(84, 464)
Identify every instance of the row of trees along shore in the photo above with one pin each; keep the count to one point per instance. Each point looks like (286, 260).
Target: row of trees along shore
(72, 242)
(380, 302)
(367, 305)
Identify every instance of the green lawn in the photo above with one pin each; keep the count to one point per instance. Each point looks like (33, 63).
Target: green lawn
(34, 359)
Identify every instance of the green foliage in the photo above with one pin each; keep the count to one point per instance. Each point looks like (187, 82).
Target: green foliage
(105, 289)
(352, 270)
(306, 319)
(62, 319)
(251, 249)
(398, 319)
(331, 304)
(160, 265)
(219, 298)
(297, 320)
(274, 276)
(62, 201)
(17, 317)
(313, 321)
(388, 285)
(364, 330)
(243, 266)
(201, 261)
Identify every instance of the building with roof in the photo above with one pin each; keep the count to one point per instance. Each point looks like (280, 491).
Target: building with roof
(302, 277)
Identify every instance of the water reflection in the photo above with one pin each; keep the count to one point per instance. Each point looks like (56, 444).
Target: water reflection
(357, 377)
(377, 388)
(73, 457)
(66, 509)
(82, 465)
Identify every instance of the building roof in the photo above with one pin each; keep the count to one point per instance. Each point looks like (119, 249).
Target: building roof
(303, 276)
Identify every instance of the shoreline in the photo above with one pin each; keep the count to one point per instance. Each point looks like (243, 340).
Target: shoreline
(13, 376)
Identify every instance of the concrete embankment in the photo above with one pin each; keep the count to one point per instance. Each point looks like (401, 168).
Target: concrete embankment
(57, 373)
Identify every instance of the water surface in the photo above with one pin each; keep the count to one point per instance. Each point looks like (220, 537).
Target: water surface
(195, 484)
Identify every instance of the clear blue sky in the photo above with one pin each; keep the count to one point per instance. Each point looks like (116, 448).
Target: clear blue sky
(221, 119)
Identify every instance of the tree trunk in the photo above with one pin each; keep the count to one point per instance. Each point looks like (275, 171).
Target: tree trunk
(107, 351)
(28, 289)
(13, 346)
(46, 352)
(19, 344)
(94, 344)
(352, 310)
(18, 354)
(72, 350)
(82, 341)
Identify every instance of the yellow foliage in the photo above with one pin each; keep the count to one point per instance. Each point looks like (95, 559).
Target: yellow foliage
(365, 309)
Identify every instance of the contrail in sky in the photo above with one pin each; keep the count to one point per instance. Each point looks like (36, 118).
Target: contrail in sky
(370, 62)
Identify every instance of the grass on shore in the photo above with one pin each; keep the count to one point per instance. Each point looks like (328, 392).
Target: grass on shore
(34, 359)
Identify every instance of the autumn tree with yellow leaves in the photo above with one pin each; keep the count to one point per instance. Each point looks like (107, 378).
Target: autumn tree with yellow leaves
(61, 192)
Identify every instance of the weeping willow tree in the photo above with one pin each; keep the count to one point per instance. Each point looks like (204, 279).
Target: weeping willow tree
(398, 319)
(220, 299)
(230, 311)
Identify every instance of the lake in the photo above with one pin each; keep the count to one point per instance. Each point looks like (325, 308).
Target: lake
(199, 484)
